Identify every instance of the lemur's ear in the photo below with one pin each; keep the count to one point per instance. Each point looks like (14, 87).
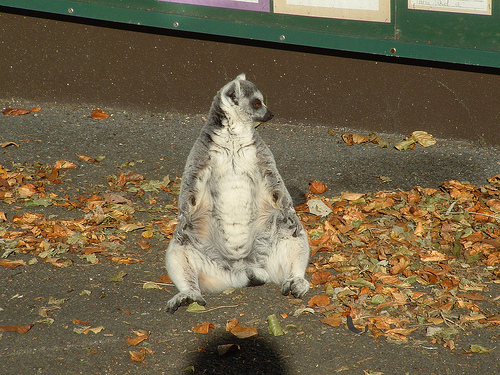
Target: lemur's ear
(233, 92)
(241, 77)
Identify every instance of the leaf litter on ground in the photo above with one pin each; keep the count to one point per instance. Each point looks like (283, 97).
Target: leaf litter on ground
(398, 261)
(390, 262)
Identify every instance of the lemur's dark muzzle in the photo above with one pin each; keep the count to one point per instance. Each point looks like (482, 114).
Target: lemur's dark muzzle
(268, 116)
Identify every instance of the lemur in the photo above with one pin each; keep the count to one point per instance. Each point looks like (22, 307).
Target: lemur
(237, 225)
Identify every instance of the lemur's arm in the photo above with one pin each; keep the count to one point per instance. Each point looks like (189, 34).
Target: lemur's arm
(277, 189)
(195, 165)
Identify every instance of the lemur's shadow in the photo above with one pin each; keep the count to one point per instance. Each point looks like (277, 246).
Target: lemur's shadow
(246, 356)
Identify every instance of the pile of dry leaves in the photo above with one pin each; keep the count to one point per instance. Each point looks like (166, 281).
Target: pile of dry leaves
(387, 263)
(396, 261)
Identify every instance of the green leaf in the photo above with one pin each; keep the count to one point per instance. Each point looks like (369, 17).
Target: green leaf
(274, 326)
(360, 283)
(329, 291)
(405, 145)
(479, 349)
(118, 277)
(195, 307)
(55, 301)
(44, 202)
(377, 299)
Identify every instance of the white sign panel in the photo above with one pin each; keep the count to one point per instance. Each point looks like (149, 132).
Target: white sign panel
(457, 6)
(361, 10)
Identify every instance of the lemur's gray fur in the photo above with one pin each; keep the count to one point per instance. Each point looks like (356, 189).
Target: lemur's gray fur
(237, 226)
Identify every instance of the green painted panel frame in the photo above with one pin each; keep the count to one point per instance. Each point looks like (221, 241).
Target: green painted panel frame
(427, 35)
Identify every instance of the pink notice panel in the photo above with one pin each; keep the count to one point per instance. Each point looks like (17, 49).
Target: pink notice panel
(257, 5)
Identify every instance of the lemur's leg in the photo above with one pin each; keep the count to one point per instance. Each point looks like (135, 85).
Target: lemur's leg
(288, 260)
(182, 264)
(193, 272)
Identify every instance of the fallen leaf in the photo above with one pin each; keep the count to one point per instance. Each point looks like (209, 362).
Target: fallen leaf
(99, 114)
(274, 326)
(130, 227)
(351, 139)
(194, 306)
(88, 158)
(139, 355)
(318, 207)
(143, 244)
(15, 111)
(12, 263)
(150, 285)
(351, 196)
(76, 321)
(94, 330)
(423, 138)
(64, 164)
(19, 329)
(433, 256)
(479, 349)
(141, 336)
(165, 279)
(203, 328)
(321, 277)
(334, 320)
(320, 300)
(118, 277)
(240, 331)
(7, 144)
(316, 187)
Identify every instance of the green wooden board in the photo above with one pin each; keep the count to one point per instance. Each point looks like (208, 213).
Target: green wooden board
(418, 34)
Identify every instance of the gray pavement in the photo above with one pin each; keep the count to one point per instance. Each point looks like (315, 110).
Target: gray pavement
(155, 145)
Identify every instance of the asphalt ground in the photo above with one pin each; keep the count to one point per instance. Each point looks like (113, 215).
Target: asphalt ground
(155, 145)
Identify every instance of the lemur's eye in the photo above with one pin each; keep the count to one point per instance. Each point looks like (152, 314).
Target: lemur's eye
(257, 103)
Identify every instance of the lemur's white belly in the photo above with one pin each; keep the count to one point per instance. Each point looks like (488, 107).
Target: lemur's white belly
(235, 206)
(235, 183)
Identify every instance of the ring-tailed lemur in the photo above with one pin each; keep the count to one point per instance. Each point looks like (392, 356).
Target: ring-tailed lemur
(236, 226)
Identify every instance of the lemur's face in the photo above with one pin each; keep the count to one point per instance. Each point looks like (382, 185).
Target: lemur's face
(244, 100)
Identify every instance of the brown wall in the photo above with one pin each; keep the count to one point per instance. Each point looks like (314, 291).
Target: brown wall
(49, 60)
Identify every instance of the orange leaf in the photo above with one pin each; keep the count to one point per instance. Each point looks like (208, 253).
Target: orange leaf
(165, 279)
(321, 277)
(494, 319)
(125, 260)
(138, 355)
(99, 114)
(144, 245)
(203, 328)
(240, 331)
(334, 320)
(76, 321)
(20, 329)
(7, 144)
(316, 187)
(138, 339)
(15, 111)
(12, 263)
(63, 164)
(351, 139)
(433, 256)
(86, 158)
(27, 190)
(321, 300)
